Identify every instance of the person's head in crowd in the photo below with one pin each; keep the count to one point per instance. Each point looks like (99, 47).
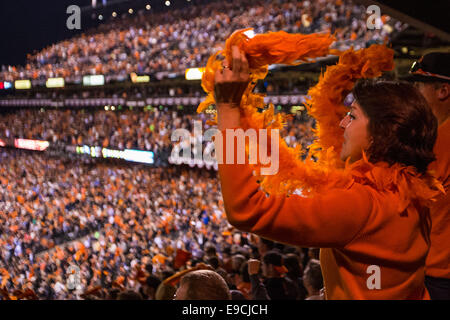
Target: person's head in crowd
(151, 285)
(149, 267)
(295, 273)
(113, 293)
(272, 265)
(235, 249)
(195, 261)
(246, 251)
(129, 295)
(292, 263)
(237, 295)
(167, 273)
(312, 278)
(391, 122)
(165, 292)
(213, 261)
(254, 252)
(226, 251)
(226, 276)
(210, 251)
(290, 249)
(265, 245)
(431, 76)
(202, 285)
(245, 277)
(237, 260)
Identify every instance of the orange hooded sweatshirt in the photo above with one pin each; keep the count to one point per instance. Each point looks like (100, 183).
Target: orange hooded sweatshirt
(438, 260)
(375, 238)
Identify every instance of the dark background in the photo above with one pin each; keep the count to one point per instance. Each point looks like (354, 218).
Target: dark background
(29, 25)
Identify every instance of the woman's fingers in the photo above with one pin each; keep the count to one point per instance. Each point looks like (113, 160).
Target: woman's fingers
(225, 64)
(223, 74)
(238, 71)
(242, 71)
(244, 65)
(237, 62)
(218, 76)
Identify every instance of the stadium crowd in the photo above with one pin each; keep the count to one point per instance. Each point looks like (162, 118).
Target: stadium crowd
(97, 230)
(128, 129)
(172, 41)
(125, 229)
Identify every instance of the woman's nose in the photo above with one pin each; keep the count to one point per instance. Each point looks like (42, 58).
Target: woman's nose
(345, 122)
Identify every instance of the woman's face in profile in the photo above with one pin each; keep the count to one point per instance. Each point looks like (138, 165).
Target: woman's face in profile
(356, 133)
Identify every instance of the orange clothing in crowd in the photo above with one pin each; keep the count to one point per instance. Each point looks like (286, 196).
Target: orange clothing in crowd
(438, 260)
(366, 234)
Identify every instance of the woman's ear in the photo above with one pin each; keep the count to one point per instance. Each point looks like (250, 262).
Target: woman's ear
(443, 92)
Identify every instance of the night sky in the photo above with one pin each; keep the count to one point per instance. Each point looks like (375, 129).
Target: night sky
(28, 25)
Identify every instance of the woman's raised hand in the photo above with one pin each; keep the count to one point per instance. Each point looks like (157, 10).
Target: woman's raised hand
(230, 84)
(232, 80)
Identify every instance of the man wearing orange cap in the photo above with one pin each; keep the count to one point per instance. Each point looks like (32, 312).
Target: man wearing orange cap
(431, 75)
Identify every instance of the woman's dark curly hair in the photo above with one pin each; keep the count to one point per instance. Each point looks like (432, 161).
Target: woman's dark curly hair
(402, 125)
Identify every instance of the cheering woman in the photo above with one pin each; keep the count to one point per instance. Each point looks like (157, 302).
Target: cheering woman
(374, 233)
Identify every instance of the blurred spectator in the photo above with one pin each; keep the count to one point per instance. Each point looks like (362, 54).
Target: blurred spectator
(278, 286)
(124, 227)
(265, 245)
(165, 292)
(295, 274)
(203, 285)
(148, 291)
(243, 283)
(237, 295)
(313, 280)
(129, 295)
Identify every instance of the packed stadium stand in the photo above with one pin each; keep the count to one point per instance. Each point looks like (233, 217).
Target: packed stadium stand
(178, 42)
(76, 198)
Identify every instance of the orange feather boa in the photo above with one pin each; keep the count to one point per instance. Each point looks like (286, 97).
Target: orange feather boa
(325, 105)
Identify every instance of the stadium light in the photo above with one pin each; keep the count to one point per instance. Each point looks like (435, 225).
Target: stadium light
(295, 109)
(148, 7)
(37, 145)
(139, 156)
(167, 3)
(5, 85)
(194, 73)
(114, 14)
(137, 79)
(100, 17)
(94, 80)
(130, 11)
(22, 84)
(55, 83)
